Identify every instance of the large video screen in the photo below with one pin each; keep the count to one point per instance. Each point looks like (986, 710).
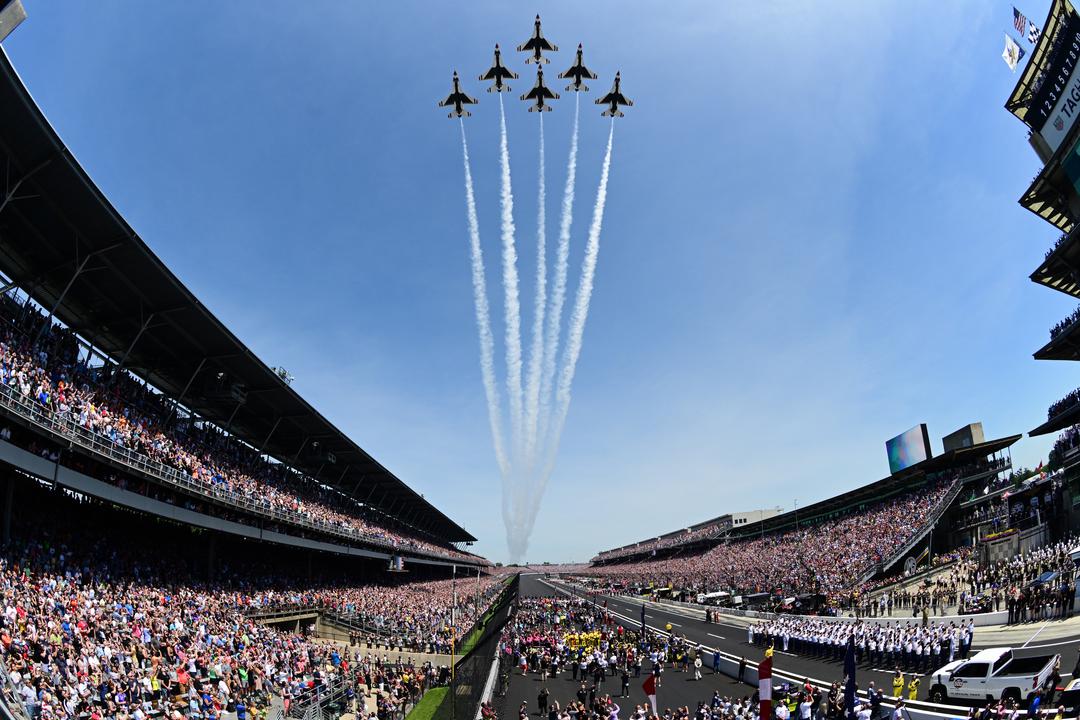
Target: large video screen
(908, 448)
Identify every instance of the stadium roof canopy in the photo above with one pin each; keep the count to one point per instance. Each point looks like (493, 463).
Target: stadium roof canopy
(66, 245)
(883, 488)
(1066, 346)
(1065, 419)
(1061, 269)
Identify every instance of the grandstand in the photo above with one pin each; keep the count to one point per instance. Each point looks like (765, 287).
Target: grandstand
(1054, 196)
(144, 398)
(701, 532)
(836, 545)
(183, 535)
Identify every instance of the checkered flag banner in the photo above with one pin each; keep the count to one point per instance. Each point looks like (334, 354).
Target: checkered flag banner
(1033, 33)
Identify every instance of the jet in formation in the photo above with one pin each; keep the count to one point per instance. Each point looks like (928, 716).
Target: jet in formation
(540, 94)
(578, 72)
(536, 45)
(498, 73)
(458, 99)
(613, 100)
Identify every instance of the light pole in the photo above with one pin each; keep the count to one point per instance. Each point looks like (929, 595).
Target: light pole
(796, 515)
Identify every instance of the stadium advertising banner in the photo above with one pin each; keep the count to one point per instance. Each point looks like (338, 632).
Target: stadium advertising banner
(908, 448)
(1055, 104)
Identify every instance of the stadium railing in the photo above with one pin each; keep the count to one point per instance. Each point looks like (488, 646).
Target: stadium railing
(11, 704)
(65, 429)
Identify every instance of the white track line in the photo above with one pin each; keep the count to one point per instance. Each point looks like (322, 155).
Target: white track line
(1036, 634)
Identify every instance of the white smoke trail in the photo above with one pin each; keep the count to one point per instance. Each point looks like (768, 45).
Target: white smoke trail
(510, 286)
(558, 291)
(575, 332)
(536, 350)
(483, 319)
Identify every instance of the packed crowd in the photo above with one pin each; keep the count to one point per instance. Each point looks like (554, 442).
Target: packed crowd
(93, 627)
(684, 537)
(41, 363)
(968, 587)
(865, 601)
(413, 616)
(826, 557)
(1065, 324)
(1066, 403)
(393, 686)
(1065, 442)
(557, 637)
(1057, 243)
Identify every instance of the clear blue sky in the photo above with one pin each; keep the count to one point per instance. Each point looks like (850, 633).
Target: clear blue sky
(812, 240)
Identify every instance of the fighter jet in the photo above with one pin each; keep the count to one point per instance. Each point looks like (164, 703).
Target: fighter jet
(536, 45)
(579, 72)
(615, 98)
(458, 99)
(540, 93)
(498, 73)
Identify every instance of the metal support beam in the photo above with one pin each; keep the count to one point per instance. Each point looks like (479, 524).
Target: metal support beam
(48, 322)
(78, 271)
(142, 329)
(302, 446)
(236, 409)
(10, 196)
(183, 392)
(262, 446)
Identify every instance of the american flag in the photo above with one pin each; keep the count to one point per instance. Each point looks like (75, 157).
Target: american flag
(1019, 21)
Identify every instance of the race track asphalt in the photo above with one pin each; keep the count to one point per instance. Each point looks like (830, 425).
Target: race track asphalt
(677, 689)
(732, 639)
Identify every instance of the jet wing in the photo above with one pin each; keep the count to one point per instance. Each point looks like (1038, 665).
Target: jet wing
(617, 98)
(460, 97)
(534, 42)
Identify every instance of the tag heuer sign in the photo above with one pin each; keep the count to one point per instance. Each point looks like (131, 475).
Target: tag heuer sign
(1056, 103)
(11, 14)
